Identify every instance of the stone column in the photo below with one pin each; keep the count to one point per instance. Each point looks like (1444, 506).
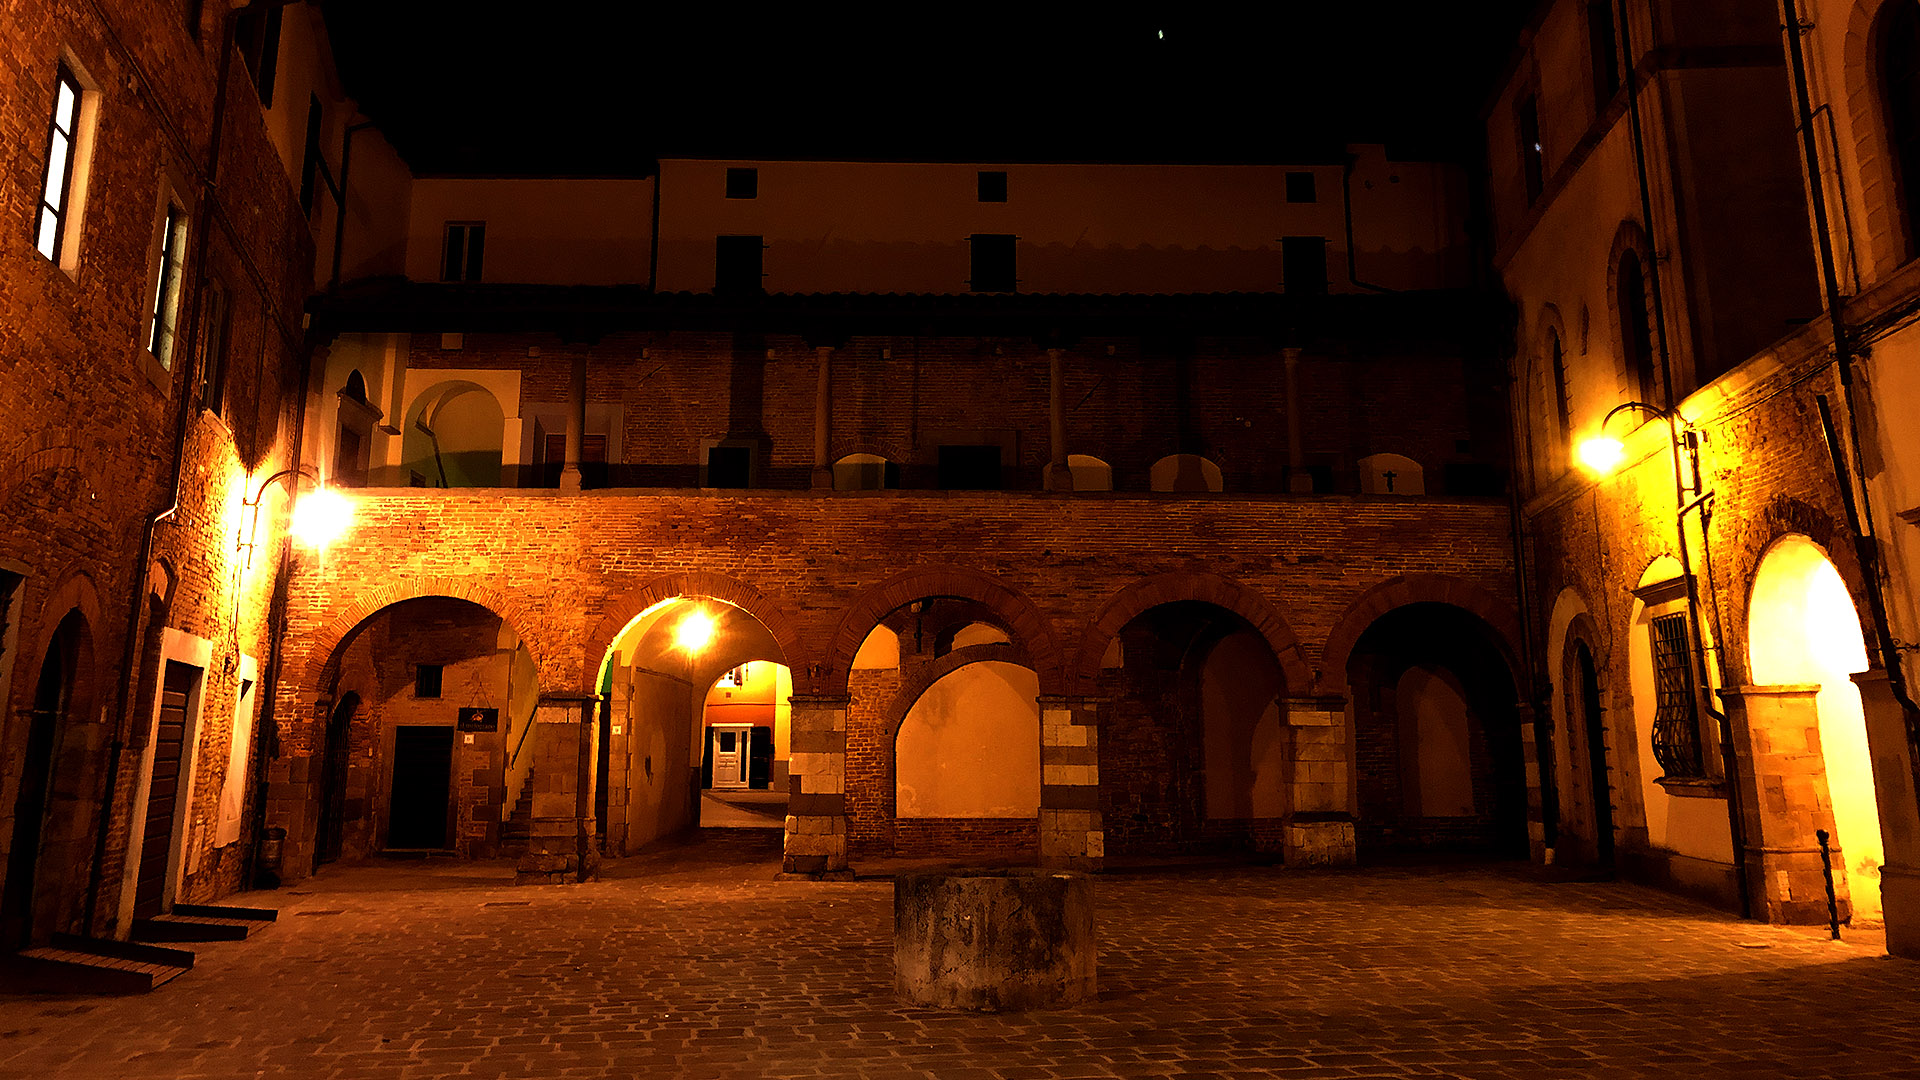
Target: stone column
(576, 424)
(1890, 746)
(1319, 826)
(816, 843)
(1539, 776)
(1782, 789)
(1298, 479)
(565, 747)
(1059, 473)
(823, 419)
(1072, 835)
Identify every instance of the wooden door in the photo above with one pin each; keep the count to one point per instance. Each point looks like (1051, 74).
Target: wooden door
(163, 794)
(422, 775)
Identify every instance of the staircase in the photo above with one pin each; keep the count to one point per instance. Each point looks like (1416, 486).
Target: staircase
(204, 922)
(516, 833)
(72, 964)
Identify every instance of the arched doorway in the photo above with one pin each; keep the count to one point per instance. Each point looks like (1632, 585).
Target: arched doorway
(1586, 722)
(424, 745)
(50, 852)
(695, 723)
(1802, 627)
(1438, 743)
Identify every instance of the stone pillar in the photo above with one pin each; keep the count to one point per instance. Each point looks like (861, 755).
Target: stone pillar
(1319, 826)
(576, 424)
(823, 419)
(565, 747)
(1059, 473)
(1890, 746)
(1782, 789)
(816, 842)
(1539, 776)
(1072, 835)
(1298, 479)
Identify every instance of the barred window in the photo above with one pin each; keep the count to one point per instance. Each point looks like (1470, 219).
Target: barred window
(1676, 728)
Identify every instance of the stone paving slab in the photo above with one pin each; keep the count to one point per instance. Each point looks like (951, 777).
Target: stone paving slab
(694, 962)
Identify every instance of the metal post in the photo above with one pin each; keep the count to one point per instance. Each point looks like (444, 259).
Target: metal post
(1826, 871)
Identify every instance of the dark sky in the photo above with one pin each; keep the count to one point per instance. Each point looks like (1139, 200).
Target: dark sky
(602, 88)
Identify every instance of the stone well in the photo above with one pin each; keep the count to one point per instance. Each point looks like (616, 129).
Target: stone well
(998, 940)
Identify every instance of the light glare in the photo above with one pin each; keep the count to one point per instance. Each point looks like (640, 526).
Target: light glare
(1602, 454)
(321, 517)
(694, 632)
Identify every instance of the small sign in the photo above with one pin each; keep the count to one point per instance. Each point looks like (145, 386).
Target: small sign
(479, 720)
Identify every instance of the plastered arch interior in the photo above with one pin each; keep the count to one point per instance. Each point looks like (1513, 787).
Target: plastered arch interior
(1391, 474)
(1503, 626)
(455, 435)
(1090, 473)
(1184, 472)
(630, 607)
(1802, 628)
(1024, 623)
(860, 472)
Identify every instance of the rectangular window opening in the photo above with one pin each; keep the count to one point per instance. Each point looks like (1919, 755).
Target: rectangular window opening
(743, 183)
(1303, 261)
(1676, 729)
(970, 468)
(466, 247)
(729, 467)
(166, 286)
(993, 263)
(1532, 155)
(993, 186)
(213, 358)
(738, 265)
(426, 680)
(256, 34)
(310, 156)
(56, 187)
(1300, 188)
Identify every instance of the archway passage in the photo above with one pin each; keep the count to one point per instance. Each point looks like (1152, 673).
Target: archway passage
(1194, 754)
(694, 724)
(943, 734)
(1589, 835)
(1437, 737)
(429, 707)
(52, 821)
(1802, 628)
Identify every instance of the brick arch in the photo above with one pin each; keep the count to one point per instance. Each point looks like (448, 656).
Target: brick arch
(1781, 518)
(44, 451)
(1879, 197)
(778, 618)
(323, 651)
(1025, 622)
(895, 712)
(1398, 592)
(73, 590)
(1181, 585)
(896, 452)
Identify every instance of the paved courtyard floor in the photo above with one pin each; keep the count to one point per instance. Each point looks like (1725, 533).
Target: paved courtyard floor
(694, 962)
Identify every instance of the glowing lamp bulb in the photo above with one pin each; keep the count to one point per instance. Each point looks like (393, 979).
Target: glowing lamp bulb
(1602, 454)
(321, 517)
(695, 632)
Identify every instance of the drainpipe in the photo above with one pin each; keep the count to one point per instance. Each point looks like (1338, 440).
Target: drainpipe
(1736, 828)
(130, 653)
(1860, 513)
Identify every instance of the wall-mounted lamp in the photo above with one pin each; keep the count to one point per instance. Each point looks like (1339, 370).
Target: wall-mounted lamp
(1602, 453)
(322, 516)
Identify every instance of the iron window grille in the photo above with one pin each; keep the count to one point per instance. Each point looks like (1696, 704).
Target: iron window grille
(1676, 726)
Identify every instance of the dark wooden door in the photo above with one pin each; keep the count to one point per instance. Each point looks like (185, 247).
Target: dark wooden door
(422, 770)
(43, 725)
(163, 795)
(333, 781)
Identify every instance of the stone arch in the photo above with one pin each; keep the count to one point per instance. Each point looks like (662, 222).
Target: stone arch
(1190, 585)
(779, 620)
(1028, 625)
(1187, 473)
(44, 451)
(323, 650)
(1781, 517)
(1406, 589)
(892, 450)
(1887, 239)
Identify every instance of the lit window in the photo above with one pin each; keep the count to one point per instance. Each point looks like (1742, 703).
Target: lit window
(466, 246)
(57, 188)
(166, 285)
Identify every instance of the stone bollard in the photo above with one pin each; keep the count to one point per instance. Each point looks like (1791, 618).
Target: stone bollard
(994, 940)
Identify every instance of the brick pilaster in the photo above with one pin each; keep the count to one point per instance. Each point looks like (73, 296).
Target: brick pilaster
(1891, 748)
(816, 841)
(1783, 797)
(560, 846)
(1071, 832)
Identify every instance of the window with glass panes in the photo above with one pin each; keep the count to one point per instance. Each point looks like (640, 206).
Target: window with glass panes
(57, 187)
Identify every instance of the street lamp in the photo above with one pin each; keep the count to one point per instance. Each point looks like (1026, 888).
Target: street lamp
(1601, 453)
(321, 517)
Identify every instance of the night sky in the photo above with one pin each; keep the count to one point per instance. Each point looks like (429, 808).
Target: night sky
(603, 88)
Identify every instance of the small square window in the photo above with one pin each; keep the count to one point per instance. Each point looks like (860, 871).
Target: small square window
(970, 468)
(729, 467)
(1300, 187)
(465, 250)
(993, 268)
(743, 183)
(737, 264)
(993, 186)
(426, 681)
(1304, 262)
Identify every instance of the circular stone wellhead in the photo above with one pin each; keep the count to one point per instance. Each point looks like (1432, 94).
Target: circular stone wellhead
(1000, 940)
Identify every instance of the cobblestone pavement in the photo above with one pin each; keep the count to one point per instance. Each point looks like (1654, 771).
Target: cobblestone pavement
(694, 962)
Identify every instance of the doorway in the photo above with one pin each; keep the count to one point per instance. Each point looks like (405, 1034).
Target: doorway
(731, 755)
(179, 686)
(333, 781)
(1593, 726)
(422, 783)
(51, 701)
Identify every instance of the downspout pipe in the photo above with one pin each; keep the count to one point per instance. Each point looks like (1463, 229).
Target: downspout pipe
(1859, 513)
(124, 696)
(1736, 827)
